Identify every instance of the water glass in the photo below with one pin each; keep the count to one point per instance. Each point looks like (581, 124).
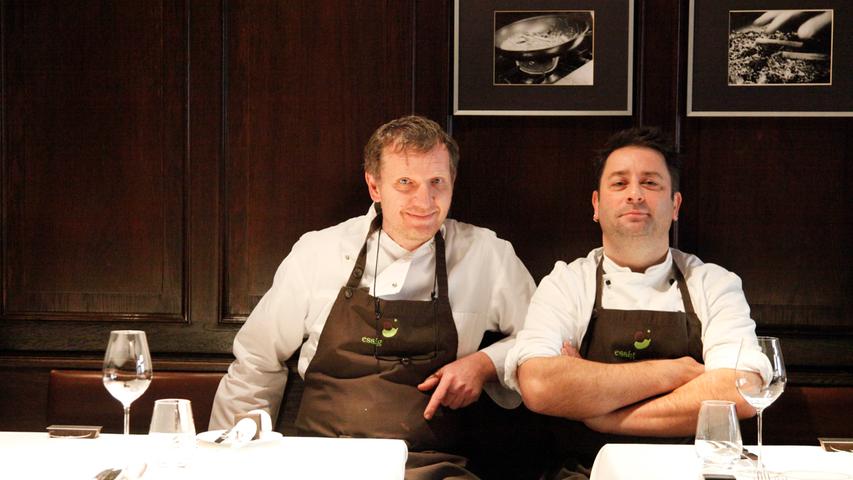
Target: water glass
(718, 440)
(172, 432)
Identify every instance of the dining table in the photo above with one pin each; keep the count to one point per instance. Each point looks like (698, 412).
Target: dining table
(617, 461)
(36, 455)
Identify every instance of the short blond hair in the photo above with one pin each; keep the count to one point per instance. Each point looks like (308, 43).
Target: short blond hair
(409, 133)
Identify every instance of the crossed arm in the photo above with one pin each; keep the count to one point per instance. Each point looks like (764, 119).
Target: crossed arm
(676, 413)
(650, 398)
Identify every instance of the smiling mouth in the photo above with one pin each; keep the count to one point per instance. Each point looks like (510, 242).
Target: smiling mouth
(421, 216)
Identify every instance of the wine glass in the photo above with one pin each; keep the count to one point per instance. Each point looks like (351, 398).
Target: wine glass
(718, 441)
(127, 368)
(760, 378)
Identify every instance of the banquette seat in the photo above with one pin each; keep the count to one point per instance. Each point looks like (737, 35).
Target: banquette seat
(78, 397)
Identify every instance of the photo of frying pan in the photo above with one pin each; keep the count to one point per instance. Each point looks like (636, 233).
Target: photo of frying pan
(541, 49)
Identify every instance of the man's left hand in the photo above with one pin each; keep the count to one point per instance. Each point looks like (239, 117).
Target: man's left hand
(459, 383)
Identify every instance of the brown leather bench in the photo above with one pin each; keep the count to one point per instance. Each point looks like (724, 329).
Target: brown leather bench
(78, 397)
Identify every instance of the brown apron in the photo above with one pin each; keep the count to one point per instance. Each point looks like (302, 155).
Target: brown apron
(618, 336)
(372, 354)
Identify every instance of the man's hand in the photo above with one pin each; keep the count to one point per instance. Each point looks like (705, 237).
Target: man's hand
(568, 349)
(807, 23)
(459, 383)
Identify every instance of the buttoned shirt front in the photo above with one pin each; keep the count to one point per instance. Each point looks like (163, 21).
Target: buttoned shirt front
(489, 289)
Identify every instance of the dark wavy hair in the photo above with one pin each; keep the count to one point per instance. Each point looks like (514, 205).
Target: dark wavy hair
(648, 137)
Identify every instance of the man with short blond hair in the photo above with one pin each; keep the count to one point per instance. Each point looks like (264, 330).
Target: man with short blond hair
(392, 307)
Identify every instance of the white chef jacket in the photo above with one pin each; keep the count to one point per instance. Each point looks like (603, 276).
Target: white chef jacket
(562, 305)
(489, 289)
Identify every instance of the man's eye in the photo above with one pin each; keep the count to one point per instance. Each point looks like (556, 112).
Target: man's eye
(437, 181)
(404, 181)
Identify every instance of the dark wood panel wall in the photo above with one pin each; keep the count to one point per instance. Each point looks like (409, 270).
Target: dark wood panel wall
(159, 159)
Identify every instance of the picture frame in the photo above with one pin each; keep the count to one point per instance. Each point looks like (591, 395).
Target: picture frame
(543, 57)
(770, 58)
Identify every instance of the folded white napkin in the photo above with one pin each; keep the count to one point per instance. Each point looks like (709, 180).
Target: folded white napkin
(250, 426)
(242, 433)
(266, 421)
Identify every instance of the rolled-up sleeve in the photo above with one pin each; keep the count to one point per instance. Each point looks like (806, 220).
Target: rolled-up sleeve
(508, 305)
(512, 289)
(727, 317)
(554, 316)
(273, 331)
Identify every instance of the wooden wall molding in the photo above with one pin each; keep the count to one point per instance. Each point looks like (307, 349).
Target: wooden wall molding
(94, 161)
(295, 131)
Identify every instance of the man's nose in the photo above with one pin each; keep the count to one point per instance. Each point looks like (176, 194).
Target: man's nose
(635, 193)
(423, 195)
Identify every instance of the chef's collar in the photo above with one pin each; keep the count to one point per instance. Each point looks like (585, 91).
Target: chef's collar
(396, 252)
(666, 265)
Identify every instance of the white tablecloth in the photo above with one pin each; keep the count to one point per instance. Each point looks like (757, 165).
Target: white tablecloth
(28, 455)
(679, 462)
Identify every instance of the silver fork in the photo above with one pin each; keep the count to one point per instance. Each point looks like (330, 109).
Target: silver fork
(224, 435)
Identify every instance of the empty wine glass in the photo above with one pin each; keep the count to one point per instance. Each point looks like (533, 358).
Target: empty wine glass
(127, 368)
(718, 441)
(760, 378)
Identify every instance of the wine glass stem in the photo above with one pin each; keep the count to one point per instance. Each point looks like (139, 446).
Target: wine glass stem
(127, 421)
(760, 463)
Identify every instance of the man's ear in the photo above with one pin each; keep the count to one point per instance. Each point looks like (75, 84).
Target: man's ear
(595, 205)
(676, 205)
(373, 187)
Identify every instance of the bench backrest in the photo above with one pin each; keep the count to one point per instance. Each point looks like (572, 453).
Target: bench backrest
(78, 397)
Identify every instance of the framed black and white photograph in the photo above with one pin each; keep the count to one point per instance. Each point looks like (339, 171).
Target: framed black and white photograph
(547, 57)
(769, 58)
(544, 48)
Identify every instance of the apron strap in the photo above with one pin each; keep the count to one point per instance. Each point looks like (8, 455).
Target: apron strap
(358, 270)
(440, 266)
(599, 275)
(682, 287)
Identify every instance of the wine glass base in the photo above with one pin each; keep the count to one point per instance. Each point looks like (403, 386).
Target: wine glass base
(746, 470)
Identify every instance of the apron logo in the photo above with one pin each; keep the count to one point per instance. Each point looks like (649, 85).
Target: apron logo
(624, 354)
(389, 328)
(372, 341)
(642, 340)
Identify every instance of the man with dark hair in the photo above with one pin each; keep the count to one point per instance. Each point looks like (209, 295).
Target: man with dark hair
(392, 307)
(647, 316)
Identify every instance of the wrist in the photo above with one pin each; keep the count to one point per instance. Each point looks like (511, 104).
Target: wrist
(485, 366)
